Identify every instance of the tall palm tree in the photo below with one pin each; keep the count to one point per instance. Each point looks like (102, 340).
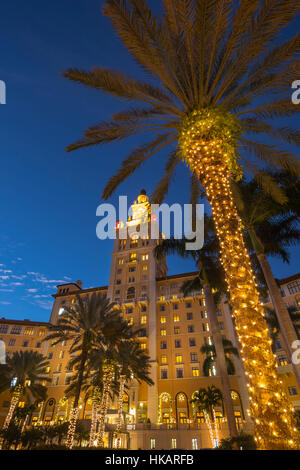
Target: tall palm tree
(211, 60)
(206, 400)
(210, 351)
(271, 229)
(133, 364)
(210, 276)
(23, 374)
(91, 322)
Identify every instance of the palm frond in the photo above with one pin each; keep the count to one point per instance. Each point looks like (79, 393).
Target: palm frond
(135, 160)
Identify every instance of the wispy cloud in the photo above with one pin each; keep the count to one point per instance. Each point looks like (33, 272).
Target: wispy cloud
(32, 290)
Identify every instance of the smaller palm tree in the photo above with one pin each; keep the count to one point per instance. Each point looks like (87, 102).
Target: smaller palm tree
(133, 364)
(24, 375)
(206, 400)
(210, 351)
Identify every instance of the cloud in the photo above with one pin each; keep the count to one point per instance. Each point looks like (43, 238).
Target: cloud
(3, 302)
(16, 283)
(32, 290)
(6, 290)
(4, 277)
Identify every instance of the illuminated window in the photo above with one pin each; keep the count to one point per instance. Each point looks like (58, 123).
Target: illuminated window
(152, 443)
(143, 345)
(145, 268)
(29, 331)
(21, 404)
(144, 319)
(176, 330)
(195, 372)
(130, 321)
(164, 359)
(195, 444)
(145, 257)
(47, 370)
(61, 311)
(174, 443)
(163, 332)
(163, 319)
(178, 358)
(213, 371)
(27, 383)
(42, 333)
(121, 261)
(176, 318)
(132, 257)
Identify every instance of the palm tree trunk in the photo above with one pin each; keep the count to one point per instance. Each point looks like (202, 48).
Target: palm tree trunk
(107, 380)
(94, 420)
(208, 160)
(120, 405)
(75, 410)
(221, 361)
(285, 323)
(17, 393)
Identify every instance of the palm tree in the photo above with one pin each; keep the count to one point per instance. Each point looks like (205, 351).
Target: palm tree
(91, 322)
(23, 374)
(210, 276)
(271, 229)
(206, 400)
(210, 351)
(133, 364)
(211, 60)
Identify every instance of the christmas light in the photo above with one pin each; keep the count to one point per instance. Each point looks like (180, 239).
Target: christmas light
(107, 380)
(207, 142)
(72, 427)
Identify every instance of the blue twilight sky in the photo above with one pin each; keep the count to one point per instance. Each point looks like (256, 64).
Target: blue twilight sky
(49, 198)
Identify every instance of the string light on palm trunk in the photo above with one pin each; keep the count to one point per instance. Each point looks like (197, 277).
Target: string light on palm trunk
(72, 427)
(107, 380)
(207, 141)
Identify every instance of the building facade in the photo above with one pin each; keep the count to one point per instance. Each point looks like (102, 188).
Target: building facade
(172, 328)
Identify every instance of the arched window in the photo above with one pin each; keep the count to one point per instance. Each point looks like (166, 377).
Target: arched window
(182, 408)
(130, 293)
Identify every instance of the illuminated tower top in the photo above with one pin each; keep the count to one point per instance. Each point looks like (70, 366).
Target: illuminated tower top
(140, 209)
